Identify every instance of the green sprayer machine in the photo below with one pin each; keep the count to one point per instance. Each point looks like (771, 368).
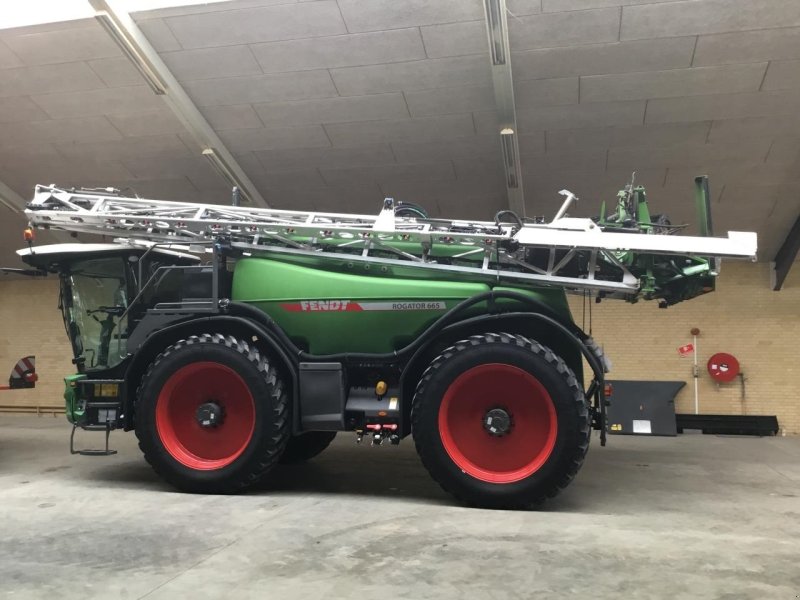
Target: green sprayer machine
(233, 338)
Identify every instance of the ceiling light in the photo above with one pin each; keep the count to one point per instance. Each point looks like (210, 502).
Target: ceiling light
(509, 147)
(131, 49)
(496, 23)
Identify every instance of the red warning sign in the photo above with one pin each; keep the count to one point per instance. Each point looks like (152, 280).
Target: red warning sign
(686, 350)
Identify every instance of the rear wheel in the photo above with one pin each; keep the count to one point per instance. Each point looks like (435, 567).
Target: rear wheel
(212, 415)
(500, 421)
(306, 446)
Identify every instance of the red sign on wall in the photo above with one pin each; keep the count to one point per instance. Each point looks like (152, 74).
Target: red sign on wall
(686, 350)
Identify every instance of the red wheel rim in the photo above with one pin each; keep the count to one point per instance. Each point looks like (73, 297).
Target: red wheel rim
(523, 449)
(194, 446)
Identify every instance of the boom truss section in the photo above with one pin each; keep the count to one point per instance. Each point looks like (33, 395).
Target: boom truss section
(576, 254)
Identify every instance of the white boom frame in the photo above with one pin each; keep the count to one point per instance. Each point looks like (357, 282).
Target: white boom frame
(270, 231)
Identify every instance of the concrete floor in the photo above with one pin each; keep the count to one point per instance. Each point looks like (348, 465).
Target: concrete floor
(689, 517)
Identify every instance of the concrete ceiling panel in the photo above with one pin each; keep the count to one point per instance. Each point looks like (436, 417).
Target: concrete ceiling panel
(350, 50)
(388, 174)
(710, 16)
(467, 147)
(210, 63)
(20, 155)
(49, 79)
(733, 173)
(728, 79)
(686, 155)
(785, 150)
(532, 144)
(330, 157)
(741, 130)
(581, 115)
(7, 58)
(582, 160)
(73, 171)
(747, 46)
(377, 15)
(468, 168)
(722, 106)
(253, 25)
(471, 186)
(546, 92)
(635, 136)
(149, 123)
(564, 5)
(456, 39)
(116, 72)
(600, 59)
(417, 75)
(262, 88)
(519, 8)
(237, 116)
(161, 146)
(783, 75)
(122, 100)
(248, 140)
(297, 94)
(159, 35)
(14, 109)
(85, 129)
(408, 130)
(173, 168)
(334, 110)
(52, 47)
(564, 29)
(467, 206)
(448, 100)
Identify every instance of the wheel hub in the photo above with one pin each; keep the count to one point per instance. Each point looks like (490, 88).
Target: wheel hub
(498, 422)
(209, 415)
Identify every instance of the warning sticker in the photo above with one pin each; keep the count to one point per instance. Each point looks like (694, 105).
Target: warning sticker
(350, 306)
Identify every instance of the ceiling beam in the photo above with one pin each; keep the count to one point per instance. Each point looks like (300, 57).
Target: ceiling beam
(786, 256)
(116, 20)
(11, 199)
(500, 56)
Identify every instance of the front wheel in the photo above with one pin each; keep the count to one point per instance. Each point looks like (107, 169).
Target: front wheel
(212, 415)
(500, 421)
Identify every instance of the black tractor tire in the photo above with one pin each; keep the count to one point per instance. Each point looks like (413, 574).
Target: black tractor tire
(212, 415)
(306, 446)
(500, 421)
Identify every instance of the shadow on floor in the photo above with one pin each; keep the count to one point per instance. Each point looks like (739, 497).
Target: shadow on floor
(371, 473)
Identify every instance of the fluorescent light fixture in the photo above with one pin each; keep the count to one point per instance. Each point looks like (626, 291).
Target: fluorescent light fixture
(509, 148)
(496, 23)
(227, 173)
(130, 48)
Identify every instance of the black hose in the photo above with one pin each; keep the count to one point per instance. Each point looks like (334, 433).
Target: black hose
(503, 213)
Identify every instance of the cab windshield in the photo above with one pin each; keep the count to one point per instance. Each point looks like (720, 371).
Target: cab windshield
(94, 298)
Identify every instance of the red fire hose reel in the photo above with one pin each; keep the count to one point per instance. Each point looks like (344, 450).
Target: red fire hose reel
(723, 367)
